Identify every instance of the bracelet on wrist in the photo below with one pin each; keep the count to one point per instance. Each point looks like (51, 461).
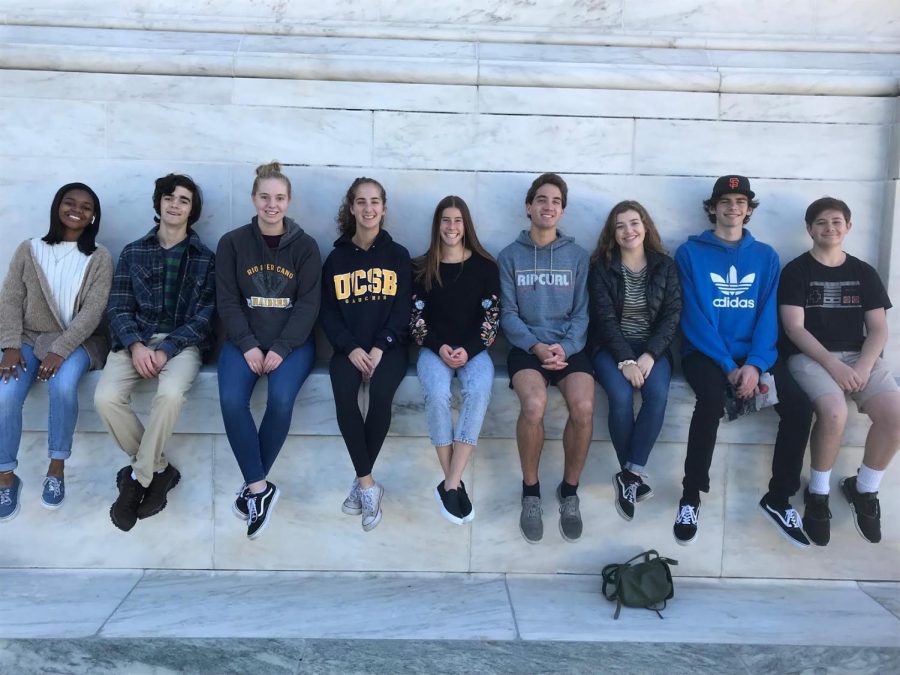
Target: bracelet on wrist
(627, 362)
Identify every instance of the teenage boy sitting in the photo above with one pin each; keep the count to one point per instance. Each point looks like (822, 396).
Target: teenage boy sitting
(832, 307)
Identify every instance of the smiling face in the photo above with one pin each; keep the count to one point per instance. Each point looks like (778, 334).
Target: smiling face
(452, 228)
(271, 200)
(546, 209)
(174, 209)
(76, 210)
(368, 208)
(829, 229)
(630, 231)
(731, 210)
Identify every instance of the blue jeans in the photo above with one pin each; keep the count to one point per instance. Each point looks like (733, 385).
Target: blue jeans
(477, 379)
(633, 439)
(256, 450)
(63, 413)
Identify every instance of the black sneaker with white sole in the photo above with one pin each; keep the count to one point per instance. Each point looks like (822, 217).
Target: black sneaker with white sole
(449, 502)
(466, 504)
(644, 491)
(626, 485)
(259, 509)
(816, 518)
(239, 505)
(685, 528)
(787, 521)
(866, 510)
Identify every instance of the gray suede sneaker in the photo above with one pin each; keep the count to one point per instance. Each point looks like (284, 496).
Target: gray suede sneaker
(531, 521)
(569, 516)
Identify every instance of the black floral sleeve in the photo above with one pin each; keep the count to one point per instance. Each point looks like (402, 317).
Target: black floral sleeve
(418, 329)
(491, 321)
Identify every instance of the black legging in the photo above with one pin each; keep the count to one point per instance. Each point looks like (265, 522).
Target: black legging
(365, 438)
(708, 382)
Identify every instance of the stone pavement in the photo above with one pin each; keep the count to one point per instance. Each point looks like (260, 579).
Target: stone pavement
(154, 621)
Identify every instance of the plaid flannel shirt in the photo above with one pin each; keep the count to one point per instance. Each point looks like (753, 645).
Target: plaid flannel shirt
(136, 297)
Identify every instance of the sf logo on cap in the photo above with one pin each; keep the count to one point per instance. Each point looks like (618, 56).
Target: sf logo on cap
(733, 182)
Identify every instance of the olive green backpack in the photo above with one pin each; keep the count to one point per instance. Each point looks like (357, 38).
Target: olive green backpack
(644, 581)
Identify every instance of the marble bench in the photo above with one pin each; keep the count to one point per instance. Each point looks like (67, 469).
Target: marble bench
(309, 532)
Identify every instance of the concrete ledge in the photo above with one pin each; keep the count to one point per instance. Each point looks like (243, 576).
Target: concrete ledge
(461, 62)
(314, 411)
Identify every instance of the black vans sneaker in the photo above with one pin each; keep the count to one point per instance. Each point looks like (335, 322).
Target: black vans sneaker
(239, 505)
(685, 528)
(156, 498)
(466, 504)
(449, 502)
(866, 510)
(259, 509)
(787, 521)
(626, 485)
(816, 518)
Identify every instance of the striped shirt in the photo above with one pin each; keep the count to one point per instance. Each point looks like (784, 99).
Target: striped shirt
(635, 317)
(64, 267)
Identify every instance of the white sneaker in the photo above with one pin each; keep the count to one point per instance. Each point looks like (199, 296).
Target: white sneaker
(352, 505)
(371, 506)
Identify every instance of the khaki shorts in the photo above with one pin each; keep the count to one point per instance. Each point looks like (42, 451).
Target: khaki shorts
(816, 381)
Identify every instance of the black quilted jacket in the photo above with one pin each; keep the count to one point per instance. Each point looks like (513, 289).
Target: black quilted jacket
(606, 286)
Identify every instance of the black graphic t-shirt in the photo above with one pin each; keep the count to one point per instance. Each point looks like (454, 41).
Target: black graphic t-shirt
(835, 300)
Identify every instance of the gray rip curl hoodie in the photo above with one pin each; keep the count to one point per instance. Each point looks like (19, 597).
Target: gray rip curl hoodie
(543, 293)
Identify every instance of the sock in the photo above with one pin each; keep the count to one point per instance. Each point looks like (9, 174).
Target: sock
(868, 480)
(133, 476)
(531, 490)
(162, 470)
(691, 496)
(566, 490)
(819, 481)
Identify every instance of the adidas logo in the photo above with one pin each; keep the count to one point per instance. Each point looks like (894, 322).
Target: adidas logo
(731, 287)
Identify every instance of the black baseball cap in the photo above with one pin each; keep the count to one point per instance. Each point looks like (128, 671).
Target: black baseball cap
(732, 184)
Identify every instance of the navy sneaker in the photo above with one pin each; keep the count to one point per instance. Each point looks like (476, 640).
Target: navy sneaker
(866, 510)
(9, 499)
(53, 492)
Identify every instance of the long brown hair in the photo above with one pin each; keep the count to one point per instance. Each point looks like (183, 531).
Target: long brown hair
(345, 219)
(427, 268)
(606, 242)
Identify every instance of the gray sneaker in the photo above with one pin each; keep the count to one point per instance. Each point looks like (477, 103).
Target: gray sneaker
(569, 516)
(531, 521)
(371, 506)
(352, 505)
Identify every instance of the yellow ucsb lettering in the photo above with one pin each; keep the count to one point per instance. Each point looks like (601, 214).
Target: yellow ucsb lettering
(360, 282)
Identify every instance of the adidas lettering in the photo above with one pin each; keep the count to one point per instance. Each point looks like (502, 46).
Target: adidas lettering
(734, 302)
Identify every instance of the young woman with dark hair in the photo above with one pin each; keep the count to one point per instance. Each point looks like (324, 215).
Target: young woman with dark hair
(267, 292)
(635, 304)
(365, 313)
(51, 304)
(456, 312)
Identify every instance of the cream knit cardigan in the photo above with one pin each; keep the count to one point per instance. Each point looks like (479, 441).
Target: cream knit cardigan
(28, 313)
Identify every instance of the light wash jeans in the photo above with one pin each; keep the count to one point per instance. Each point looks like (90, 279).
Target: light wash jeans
(63, 414)
(476, 377)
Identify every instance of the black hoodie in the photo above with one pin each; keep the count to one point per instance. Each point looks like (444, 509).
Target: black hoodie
(366, 295)
(267, 297)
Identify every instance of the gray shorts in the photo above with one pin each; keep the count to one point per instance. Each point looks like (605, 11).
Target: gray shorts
(816, 382)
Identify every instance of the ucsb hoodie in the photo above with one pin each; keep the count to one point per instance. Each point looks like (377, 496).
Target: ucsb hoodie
(366, 295)
(268, 297)
(543, 293)
(729, 300)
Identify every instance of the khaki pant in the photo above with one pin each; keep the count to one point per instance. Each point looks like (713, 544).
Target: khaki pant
(112, 399)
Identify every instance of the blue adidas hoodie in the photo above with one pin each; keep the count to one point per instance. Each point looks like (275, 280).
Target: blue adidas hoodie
(729, 296)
